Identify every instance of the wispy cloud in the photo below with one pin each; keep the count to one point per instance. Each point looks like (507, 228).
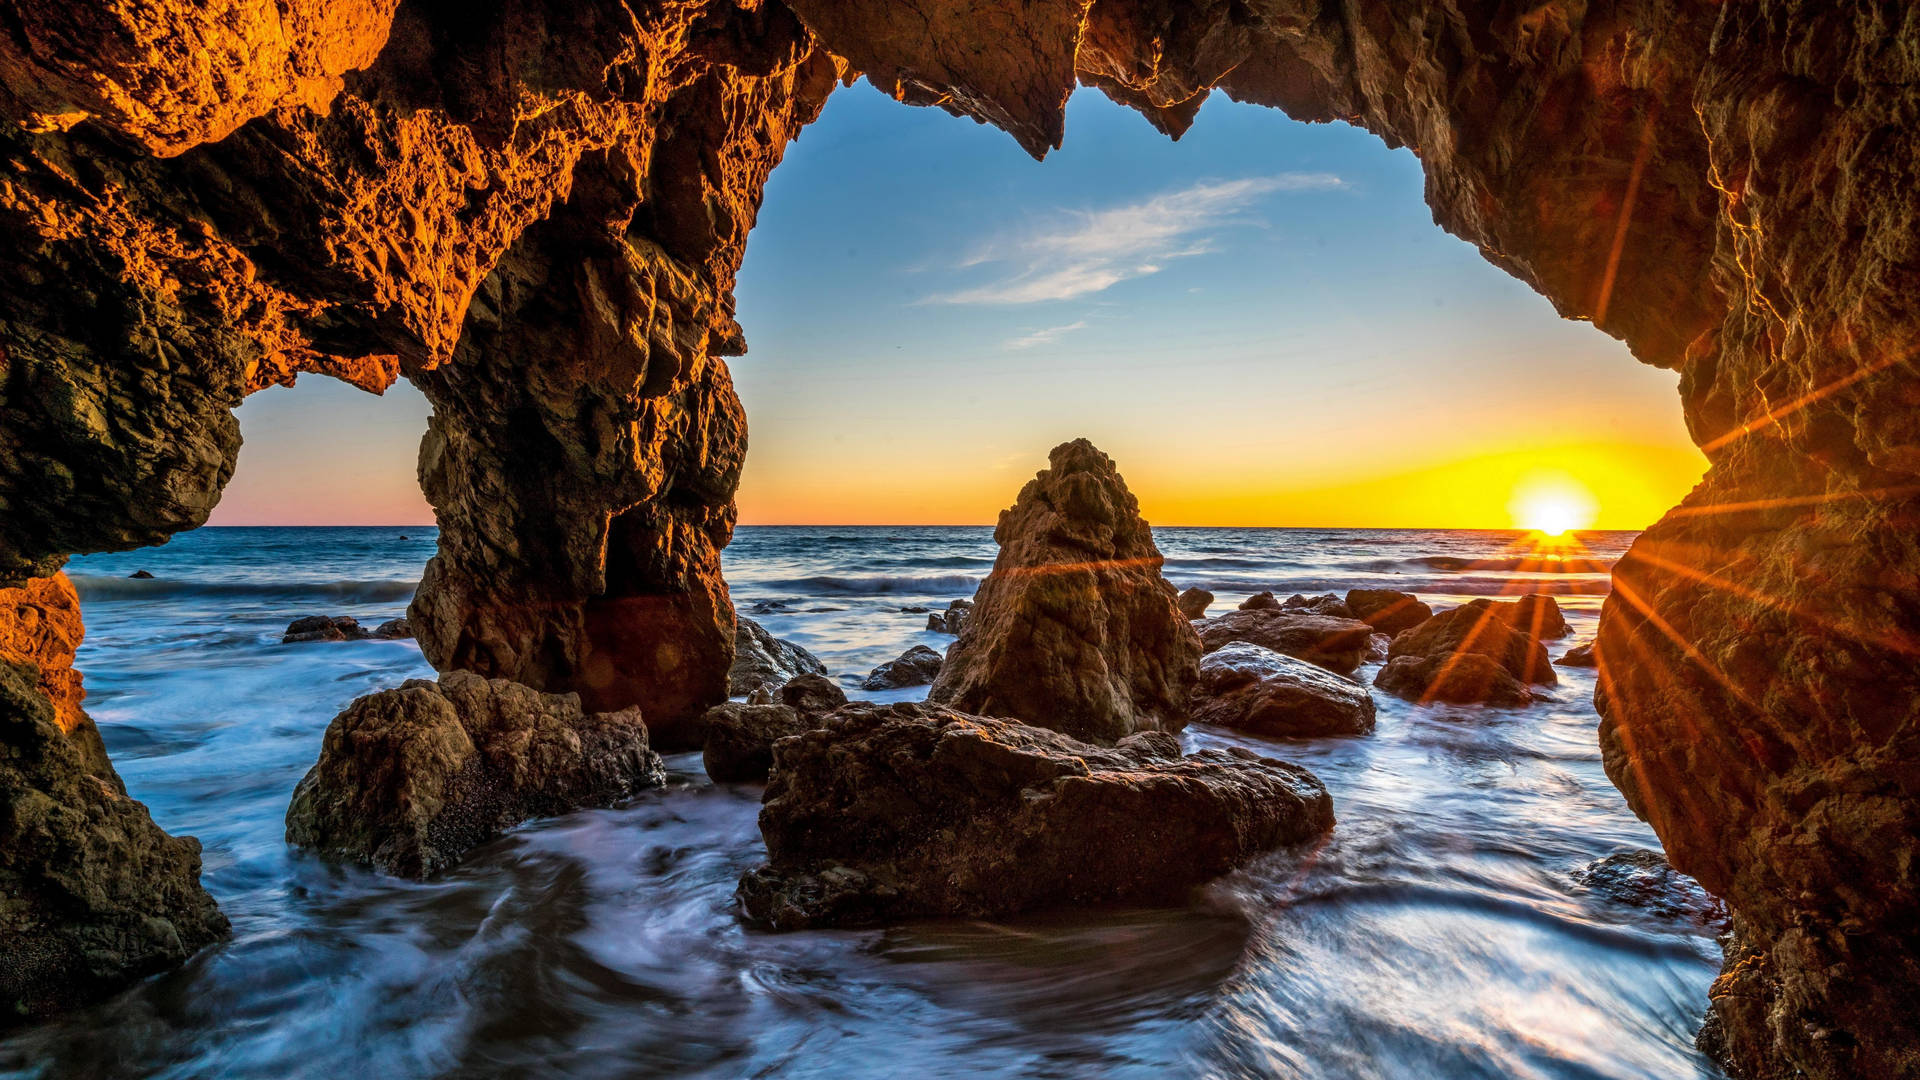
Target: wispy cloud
(1045, 337)
(1095, 250)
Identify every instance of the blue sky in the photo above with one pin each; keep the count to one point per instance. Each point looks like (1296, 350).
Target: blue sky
(1261, 323)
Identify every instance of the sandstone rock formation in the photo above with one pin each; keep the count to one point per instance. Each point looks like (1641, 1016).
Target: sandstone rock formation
(740, 738)
(1260, 601)
(1386, 610)
(199, 201)
(1194, 602)
(1324, 604)
(917, 666)
(1256, 689)
(1535, 614)
(892, 812)
(764, 662)
(92, 892)
(410, 780)
(393, 630)
(1339, 645)
(1074, 629)
(1579, 656)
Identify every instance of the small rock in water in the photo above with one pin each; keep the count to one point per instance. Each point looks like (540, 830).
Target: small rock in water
(1578, 656)
(324, 628)
(762, 660)
(907, 811)
(1260, 601)
(394, 629)
(1643, 879)
(1386, 610)
(1194, 603)
(1255, 689)
(141, 575)
(1325, 604)
(403, 536)
(953, 620)
(917, 666)
(915, 609)
(768, 607)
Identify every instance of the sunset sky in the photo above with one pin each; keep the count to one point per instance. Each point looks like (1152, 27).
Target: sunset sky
(1260, 323)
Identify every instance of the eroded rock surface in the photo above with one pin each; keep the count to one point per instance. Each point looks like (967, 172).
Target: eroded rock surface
(1194, 602)
(953, 620)
(1483, 627)
(1339, 645)
(903, 811)
(1074, 629)
(1386, 610)
(410, 780)
(92, 893)
(1256, 689)
(764, 662)
(740, 737)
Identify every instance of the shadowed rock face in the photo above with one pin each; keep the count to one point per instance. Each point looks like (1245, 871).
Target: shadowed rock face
(891, 812)
(92, 892)
(410, 780)
(544, 203)
(1074, 629)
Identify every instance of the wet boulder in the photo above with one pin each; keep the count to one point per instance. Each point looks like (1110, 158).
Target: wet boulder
(917, 666)
(393, 630)
(1642, 879)
(141, 575)
(409, 780)
(1075, 629)
(1579, 656)
(1194, 602)
(324, 628)
(1535, 614)
(906, 811)
(1260, 601)
(739, 738)
(761, 660)
(1482, 627)
(1459, 678)
(951, 621)
(1339, 645)
(1386, 610)
(1255, 689)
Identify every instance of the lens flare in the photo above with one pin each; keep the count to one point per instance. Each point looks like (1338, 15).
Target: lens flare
(1552, 503)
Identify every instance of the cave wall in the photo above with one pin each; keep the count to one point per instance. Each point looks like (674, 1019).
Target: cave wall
(535, 211)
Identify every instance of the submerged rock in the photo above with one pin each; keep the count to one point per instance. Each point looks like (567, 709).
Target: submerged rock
(1642, 879)
(141, 575)
(1459, 678)
(1075, 629)
(953, 620)
(1386, 610)
(1194, 603)
(324, 628)
(1339, 645)
(1579, 656)
(409, 780)
(739, 738)
(762, 660)
(1245, 686)
(903, 811)
(917, 666)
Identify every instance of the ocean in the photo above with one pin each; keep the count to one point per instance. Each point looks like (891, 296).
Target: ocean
(1444, 930)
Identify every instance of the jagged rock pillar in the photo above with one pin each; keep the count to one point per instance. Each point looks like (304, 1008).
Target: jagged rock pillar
(92, 893)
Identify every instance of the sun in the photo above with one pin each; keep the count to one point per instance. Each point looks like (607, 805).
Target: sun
(1552, 503)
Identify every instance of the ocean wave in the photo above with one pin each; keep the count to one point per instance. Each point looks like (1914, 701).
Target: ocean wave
(1531, 563)
(1219, 563)
(876, 584)
(119, 588)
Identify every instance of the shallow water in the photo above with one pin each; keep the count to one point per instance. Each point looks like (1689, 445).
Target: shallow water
(1439, 932)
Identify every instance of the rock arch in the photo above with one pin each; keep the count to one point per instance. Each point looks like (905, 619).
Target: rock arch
(536, 212)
